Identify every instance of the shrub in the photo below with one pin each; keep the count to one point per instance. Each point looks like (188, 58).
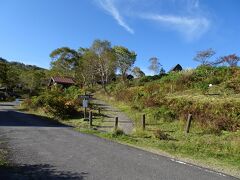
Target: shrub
(149, 78)
(27, 103)
(234, 83)
(142, 134)
(159, 134)
(222, 115)
(164, 113)
(150, 102)
(117, 132)
(73, 92)
(57, 103)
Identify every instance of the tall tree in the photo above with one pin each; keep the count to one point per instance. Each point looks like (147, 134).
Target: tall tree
(125, 59)
(88, 67)
(204, 56)
(106, 62)
(64, 61)
(154, 65)
(137, 72)
(33, 80)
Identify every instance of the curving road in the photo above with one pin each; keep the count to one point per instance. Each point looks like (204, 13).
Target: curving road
(41, 149)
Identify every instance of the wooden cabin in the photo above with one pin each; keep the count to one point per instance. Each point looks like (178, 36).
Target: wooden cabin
(65, 82)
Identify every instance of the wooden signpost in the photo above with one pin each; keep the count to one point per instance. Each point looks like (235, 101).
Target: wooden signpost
(143, 122)
(85, 103)
(116, 123)
(188, 125)
(90, 119)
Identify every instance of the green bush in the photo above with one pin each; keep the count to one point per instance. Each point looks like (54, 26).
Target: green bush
(117, 133)
(221, 115)
(73, 92)
(159, 134)
(56, 102)
(145, 79)
(164, 113)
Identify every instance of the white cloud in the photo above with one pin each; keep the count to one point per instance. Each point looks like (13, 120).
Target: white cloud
(191, 27)
(183, 16)
(109, 6)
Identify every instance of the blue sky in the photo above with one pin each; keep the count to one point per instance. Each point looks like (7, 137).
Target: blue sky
(172, 30)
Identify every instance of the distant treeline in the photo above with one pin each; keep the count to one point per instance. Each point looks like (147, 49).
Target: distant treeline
(101, 63)
(20, 78)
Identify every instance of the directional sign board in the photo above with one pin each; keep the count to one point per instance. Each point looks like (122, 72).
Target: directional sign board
(85, 96)
(85, 103)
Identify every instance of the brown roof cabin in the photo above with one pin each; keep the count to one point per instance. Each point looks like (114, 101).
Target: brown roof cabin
(176, 68)
(65, 82)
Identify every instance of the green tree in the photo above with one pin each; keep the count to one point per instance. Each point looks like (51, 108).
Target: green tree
(13, 76)
(105, 64)
(88, 68)
(3, 72)
(137, 72)
(125, 60)
(33, 80)
(64, 61)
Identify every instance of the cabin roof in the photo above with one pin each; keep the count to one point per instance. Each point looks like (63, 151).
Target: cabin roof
(63, 80)
(178, 67)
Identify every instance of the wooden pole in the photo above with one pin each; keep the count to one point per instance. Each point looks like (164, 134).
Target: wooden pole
(85, 109)
(116, 123)
(90, 119)
(143, 122)
(85, 113)
(189, 120)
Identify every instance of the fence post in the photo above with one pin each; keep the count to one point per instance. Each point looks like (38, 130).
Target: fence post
(116, 123)
(143, 122)
(90, 119)
(85, 113)
(189, 120)
(99, 111)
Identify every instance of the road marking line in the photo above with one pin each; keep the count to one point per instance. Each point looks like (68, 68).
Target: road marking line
(207, 170)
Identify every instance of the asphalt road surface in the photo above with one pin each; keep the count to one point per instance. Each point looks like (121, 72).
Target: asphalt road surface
(41, 149)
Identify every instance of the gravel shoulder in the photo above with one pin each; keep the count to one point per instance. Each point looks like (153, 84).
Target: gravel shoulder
(110, 112)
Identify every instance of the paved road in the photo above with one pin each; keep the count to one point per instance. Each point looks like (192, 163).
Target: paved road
(44, 150)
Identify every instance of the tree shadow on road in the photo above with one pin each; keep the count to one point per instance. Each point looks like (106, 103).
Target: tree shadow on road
(17, 119)
(39, 171)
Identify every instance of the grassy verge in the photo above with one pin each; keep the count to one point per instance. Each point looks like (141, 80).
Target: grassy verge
(220, 152)
(3, 160)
